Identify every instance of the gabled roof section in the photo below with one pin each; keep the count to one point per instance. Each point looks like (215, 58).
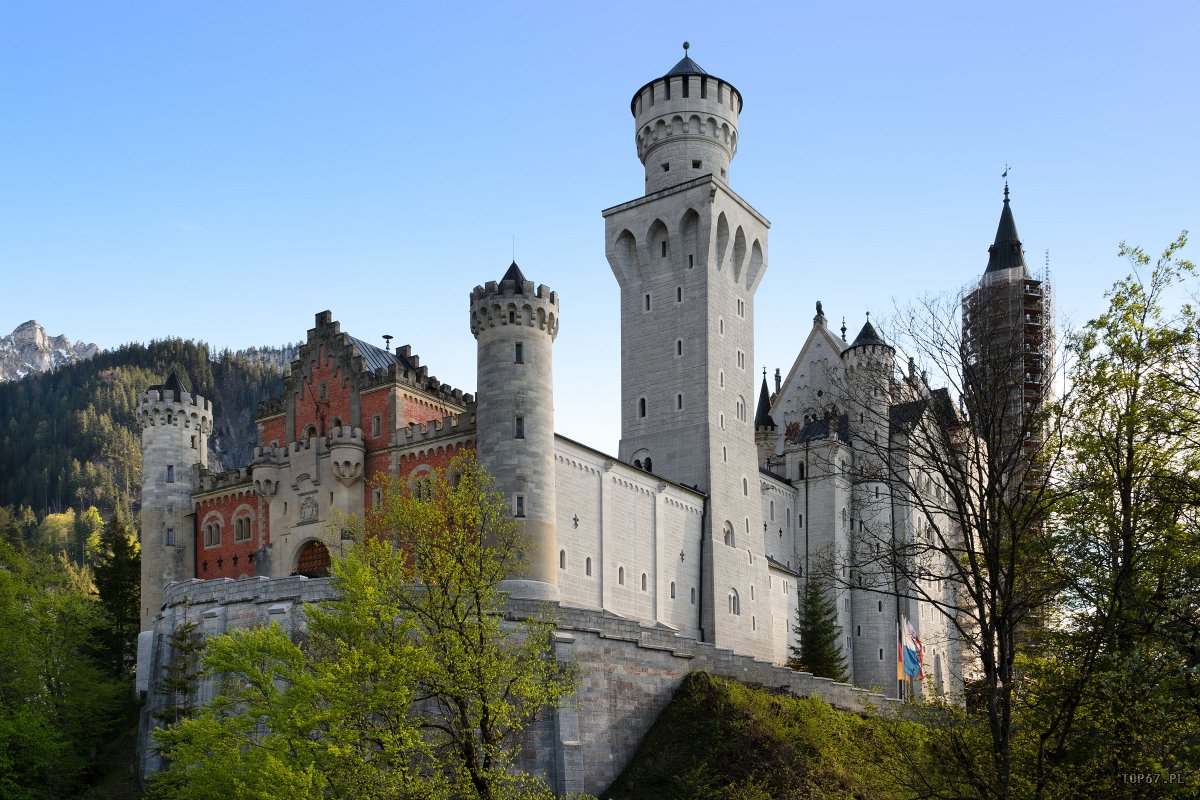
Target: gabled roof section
(762, 417)
(1006, 252)
(823, 428)
(377, 358)
(904, 417)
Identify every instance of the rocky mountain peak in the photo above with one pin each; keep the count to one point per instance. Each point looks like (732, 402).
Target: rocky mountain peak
(29, 349)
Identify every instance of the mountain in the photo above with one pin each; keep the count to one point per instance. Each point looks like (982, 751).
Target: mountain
(28, 349)
(69, 436)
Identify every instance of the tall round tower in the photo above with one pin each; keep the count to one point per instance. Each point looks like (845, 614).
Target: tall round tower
(686, 125)
(175, 428)
(515, 327)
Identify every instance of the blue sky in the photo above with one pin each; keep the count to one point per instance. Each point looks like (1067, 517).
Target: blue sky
(224, 171)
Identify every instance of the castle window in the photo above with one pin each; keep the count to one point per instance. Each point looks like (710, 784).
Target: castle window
(170, 538)
(170, 473)
(520, 353)
(678, 294)
(741, 360)
(881, 654)
(672, 590)
(725, 454)
(753, 624)
(721, 325)
(685, 85)
(649, 464)
(212, 534)
(587, 567)
(741, 408)
(647, 299)
(519, 506)
(310, 432)
(799, 520)
(721, 378)
(519, 428)
(722, 421)
(193, 442)
(729, 533)
(858, 630)
(745, 488)
(691, 261)
(679, 402)
(696, 165)
(641, 406)
(772, 508)
(376, 497)
(664, 248)
(512, 316)
(666, 167)
(693, 595)
(643, 581)
(621, 576)
(735, 603)
(751, 592)
(800, 471)
(323, 390)
(703, 87)
(337, 423)
(741, 308)
(846, 604)
(376, 425)
(241, 529)
(562, 559)
(679, 347)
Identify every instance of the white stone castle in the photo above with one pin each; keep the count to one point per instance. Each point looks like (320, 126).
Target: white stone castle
(715, 509)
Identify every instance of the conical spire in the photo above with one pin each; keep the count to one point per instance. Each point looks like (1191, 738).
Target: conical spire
(514, 276)
(762, 417)
(1006, 252)
(868, 335)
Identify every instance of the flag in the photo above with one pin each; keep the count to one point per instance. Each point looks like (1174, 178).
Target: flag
(912, 652)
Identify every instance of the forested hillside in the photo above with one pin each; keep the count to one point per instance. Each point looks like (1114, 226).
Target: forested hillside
(69, 438)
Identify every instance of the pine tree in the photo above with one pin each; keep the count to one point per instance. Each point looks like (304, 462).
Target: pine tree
(118, 582)
(179, 681)
(816, 625)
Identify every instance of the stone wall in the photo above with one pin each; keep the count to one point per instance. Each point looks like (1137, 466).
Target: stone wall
(629, 672)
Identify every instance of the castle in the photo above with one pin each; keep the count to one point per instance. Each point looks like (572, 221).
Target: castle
(721, 501)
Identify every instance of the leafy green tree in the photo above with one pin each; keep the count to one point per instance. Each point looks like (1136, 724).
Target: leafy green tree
(411, 683)
(816, 625)
(1120, 695)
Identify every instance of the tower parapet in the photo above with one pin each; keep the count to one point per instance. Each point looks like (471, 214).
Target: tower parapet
(175, 428)
(515, 326)
(687, 125)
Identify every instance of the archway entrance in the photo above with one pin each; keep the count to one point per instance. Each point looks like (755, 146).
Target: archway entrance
(313, 561)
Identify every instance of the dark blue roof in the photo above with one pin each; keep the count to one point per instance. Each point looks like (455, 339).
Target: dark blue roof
(376, 357)
(1006, 252)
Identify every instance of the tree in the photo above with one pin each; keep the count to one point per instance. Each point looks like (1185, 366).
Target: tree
(1120, 694)
(118, 582)
(816, 625)
(414, 681)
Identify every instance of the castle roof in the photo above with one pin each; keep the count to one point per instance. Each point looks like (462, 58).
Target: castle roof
(687, 67)
(377, 358)
(1006, 252)
(515, 277)
(762, 417)
(172, 384)
(904, 417)
(837, 425)
(868, 336)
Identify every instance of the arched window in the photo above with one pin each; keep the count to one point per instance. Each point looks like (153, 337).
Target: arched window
(621, 576)
(587, 566)
(672, 590)
(741, 408)
(693, 595)
(745, 487)
(729, 533)
(641, 406)
(643, 581)
(735, 603)
(562, 559)
(649, 464)
(800, 471)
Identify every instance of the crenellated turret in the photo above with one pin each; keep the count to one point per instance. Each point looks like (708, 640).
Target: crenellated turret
(515, 326)
(175, 429)
(687, 124)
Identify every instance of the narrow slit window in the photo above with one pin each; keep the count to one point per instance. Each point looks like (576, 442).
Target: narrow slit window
(647, 301)
(519, 428)
(664, 248)
(641, 406)
(519, 357)
(519, 503)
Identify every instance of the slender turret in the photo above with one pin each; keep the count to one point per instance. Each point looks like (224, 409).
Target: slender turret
(515, 326)
(175, 429)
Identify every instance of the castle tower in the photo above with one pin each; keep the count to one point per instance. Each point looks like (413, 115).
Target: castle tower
(689, 256)
(515, 327)
(871, 625)
(175, 428)
(766, 437)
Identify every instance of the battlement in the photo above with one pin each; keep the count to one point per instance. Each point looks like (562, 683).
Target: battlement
(217, 481)
(417, 433)
(345, 436)
(512, 302)
(167, 407)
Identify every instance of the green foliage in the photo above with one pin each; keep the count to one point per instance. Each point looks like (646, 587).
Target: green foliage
(180, 674)
(69, 438)
(816, 624)
(410, 684)
(58, 704)
(720, 739)
(118, 568)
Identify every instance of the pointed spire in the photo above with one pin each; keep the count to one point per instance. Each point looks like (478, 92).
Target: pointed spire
(868, 335)
(686, 66)
(843, 328)
(1006, 252)
(762, 417)
(515, 276)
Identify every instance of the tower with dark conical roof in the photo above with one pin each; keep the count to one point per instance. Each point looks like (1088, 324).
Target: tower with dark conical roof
(689, 256)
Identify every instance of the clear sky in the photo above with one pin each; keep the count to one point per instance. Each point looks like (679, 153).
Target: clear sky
(223, 171)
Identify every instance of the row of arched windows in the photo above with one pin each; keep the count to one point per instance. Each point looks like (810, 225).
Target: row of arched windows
(587, 570)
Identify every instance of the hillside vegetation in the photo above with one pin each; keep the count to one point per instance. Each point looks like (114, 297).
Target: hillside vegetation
(69, 438)
(721, 740)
